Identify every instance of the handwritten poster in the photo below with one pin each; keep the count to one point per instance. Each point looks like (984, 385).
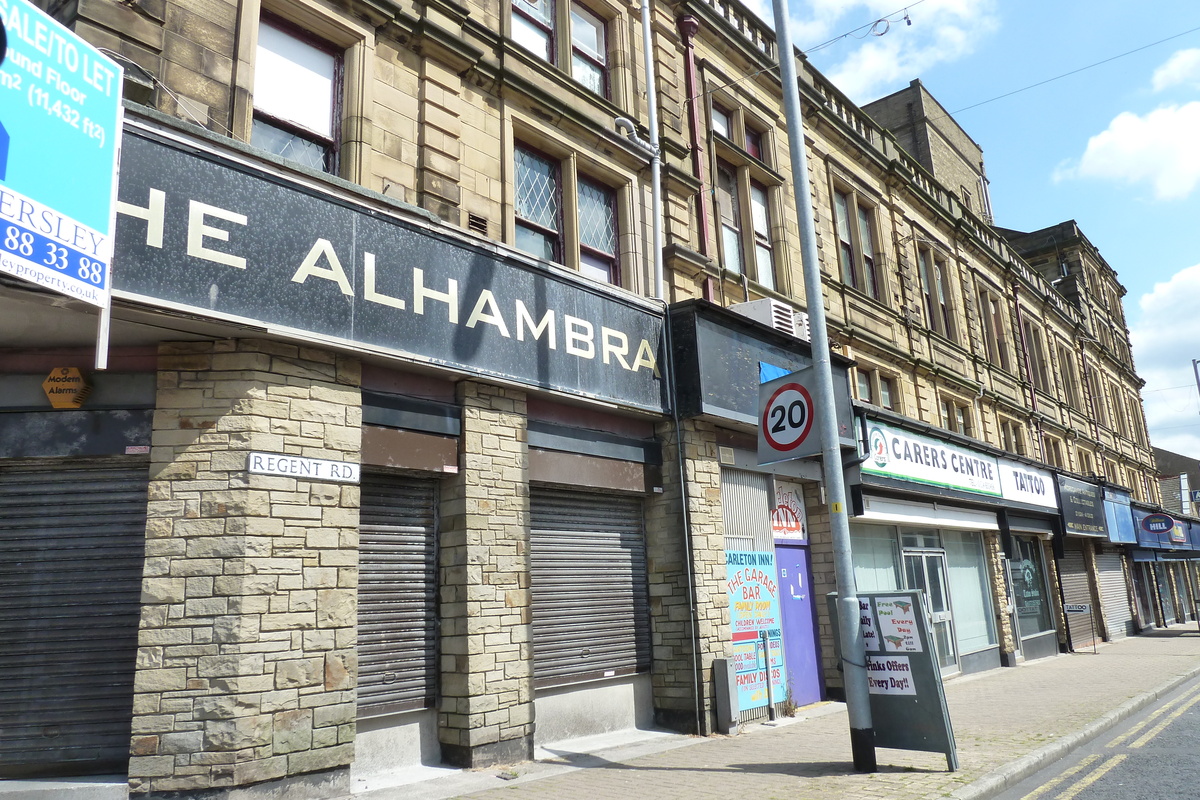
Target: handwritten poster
(753, 589)
(897, 621)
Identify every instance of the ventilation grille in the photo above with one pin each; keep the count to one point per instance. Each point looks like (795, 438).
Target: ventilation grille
(777, 315)
(477, 224)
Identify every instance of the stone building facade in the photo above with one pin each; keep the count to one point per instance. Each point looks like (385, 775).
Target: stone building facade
(413, 469)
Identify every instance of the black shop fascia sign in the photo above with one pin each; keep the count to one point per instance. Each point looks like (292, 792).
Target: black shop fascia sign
(206, 229)
(1082, 508)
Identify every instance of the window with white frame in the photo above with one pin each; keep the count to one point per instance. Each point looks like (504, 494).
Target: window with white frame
(546, 192)
(582, 52)
(297, 95)
(857, 258)
(877, 388)
(955, 414)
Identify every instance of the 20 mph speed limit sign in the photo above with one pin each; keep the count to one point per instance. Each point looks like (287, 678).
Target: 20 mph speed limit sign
(786, 413)
(788, 417)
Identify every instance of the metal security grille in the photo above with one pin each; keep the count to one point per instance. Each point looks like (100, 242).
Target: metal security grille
(397, 594)
(1114, 594)
(72, 545)
(746, 504)
(588, 580)
(1077, 589)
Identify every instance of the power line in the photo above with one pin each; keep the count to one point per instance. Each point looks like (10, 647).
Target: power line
(870, 27)
(1074, 71)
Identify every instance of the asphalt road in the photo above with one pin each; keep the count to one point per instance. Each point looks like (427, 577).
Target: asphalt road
(1154, 755)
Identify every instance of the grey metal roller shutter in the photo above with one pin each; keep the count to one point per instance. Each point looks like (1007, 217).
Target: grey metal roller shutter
(1072, 571)
(588, 583)
(72, 546)
(1114, 594)
(397, 594)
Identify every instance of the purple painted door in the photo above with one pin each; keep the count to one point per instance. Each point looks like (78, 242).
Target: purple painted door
(798, 606)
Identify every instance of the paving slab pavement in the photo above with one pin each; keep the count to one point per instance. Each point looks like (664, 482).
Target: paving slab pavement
(1008, 723)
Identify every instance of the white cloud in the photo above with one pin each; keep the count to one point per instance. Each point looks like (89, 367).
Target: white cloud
(1181, 69)
(865, 66)
(1166, 337)
(1158, 148)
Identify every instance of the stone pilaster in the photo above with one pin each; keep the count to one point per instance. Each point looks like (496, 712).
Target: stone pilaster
(486, 713)
(1007, 637)
(687, 640)
(246, 659)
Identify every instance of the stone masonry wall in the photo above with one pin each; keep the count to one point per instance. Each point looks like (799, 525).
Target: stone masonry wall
(246, 661)
(486, 713)
(1006, 636)
(674, 662)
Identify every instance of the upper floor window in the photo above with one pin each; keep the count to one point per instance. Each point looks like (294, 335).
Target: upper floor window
(1087, 466)
(995, 339)
(1012, 438)
(297, 95)
(1054, 452)
(956, 415)
(1067, 373)
(545, 196)
(1099, 406)
(1037, 357)
(855, 223)
(746, 244)
(721, 122)
(876, 388)
(535, 26)
(939, 314)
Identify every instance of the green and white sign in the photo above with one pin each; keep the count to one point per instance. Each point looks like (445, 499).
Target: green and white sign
(896, 453)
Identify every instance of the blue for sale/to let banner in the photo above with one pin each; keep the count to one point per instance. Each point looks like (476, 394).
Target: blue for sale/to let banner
(60, 118)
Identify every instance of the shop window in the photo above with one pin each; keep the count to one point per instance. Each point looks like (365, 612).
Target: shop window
(537, 28)
(1037, 357)
(541, 205)
(970, 591)
(995, 339)
(935, 291)
(1012, 437)
(1030, 593)
(855, 224)
(1067, 374)
(297, 95)
(956, 415)
(875, 555)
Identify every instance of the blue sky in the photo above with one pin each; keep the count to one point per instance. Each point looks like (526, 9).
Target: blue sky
(1115, 147)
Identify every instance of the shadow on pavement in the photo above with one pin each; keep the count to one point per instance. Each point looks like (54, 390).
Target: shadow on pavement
(807, 769)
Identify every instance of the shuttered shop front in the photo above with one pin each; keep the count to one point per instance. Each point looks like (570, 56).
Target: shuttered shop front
(588, 585)
(1077, 590)
(397, 594)
(1114, 593)
(72, 547)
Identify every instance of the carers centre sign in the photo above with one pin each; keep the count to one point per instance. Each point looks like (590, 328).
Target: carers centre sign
(60, 124)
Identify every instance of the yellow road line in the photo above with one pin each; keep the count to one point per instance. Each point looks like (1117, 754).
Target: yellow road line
(1133, 731)
(1157, 729)
(1045, 787)
(1095, 776)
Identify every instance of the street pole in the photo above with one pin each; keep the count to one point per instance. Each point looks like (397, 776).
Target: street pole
(854, 664)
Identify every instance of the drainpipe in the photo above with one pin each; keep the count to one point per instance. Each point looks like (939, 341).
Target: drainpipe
(688, 27)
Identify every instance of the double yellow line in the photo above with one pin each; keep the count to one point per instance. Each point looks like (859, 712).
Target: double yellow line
(1176, 708)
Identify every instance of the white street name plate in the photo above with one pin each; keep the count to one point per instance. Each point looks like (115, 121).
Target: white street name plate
(313, 469)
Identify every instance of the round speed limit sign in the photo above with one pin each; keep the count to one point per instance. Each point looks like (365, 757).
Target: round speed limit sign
(788, 417)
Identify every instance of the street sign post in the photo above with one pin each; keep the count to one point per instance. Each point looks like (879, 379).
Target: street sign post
(60, 127)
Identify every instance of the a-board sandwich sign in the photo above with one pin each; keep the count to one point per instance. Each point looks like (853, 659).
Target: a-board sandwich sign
(754, 610)
(908, 703)
(60, 126)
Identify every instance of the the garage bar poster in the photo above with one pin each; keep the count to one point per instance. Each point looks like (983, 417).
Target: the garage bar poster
(754, 609)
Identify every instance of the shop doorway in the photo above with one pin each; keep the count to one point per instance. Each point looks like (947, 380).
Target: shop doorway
(799, 624)
(926, 571)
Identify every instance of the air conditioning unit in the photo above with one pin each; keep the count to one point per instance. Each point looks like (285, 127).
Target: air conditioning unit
(777, 315)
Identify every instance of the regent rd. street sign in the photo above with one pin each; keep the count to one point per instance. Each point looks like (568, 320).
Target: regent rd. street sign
(60, 112)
